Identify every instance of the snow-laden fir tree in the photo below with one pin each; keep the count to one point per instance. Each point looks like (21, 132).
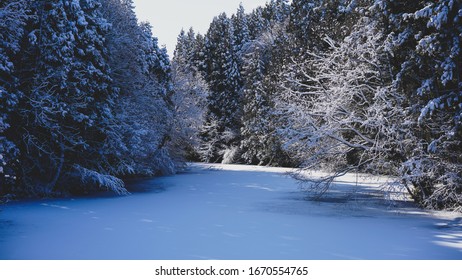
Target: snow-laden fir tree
(311, 20)
(12, 22)
(256, 23)
(190, 92)
(241, 29)
(276, 11)
(424, 40)
(255, 106)
(185, 51)
(263, 62)
(65, 80)
(257, 126)
(223, 77)
(198, 57)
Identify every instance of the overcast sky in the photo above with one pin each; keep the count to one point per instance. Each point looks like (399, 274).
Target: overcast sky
(168, 17)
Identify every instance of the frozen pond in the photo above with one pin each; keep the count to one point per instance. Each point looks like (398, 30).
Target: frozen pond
(228, 212)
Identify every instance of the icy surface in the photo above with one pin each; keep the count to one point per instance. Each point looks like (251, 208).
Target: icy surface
(228, 212)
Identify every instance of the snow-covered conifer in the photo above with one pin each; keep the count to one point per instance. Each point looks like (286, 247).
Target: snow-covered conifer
(263, 62)
(223, 77)
(190, 92)
(12, 22)
(143, 114)
(241, 29)
(424, 44)
(65, 78)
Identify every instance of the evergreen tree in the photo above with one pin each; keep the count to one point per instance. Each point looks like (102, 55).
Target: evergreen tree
(185, 51)
(241, 29)
(12, 22)
(198, 54)
(424, 41)
(276, 11)
(262, 74)
(312, 20)
(143, 113)
(256, 23)
(180, 55)
(223, 77)
(68, 95)
(256, 108)
(67, 122)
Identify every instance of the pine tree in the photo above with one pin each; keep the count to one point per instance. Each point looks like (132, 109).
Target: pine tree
(180, 55)
(185, 51)
(198, 54)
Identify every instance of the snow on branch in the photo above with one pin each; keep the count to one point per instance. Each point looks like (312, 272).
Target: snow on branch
(101, 181)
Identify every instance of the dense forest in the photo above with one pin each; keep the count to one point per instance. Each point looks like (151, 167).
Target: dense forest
(84, 97)
(338, 85)
(88, 98)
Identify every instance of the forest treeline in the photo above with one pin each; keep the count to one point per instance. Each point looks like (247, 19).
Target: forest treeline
(337, 85)
(89, 98)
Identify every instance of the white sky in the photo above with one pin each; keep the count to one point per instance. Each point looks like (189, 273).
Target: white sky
(168, 17)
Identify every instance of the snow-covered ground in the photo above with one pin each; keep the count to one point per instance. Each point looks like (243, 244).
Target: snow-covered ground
(228, 212)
